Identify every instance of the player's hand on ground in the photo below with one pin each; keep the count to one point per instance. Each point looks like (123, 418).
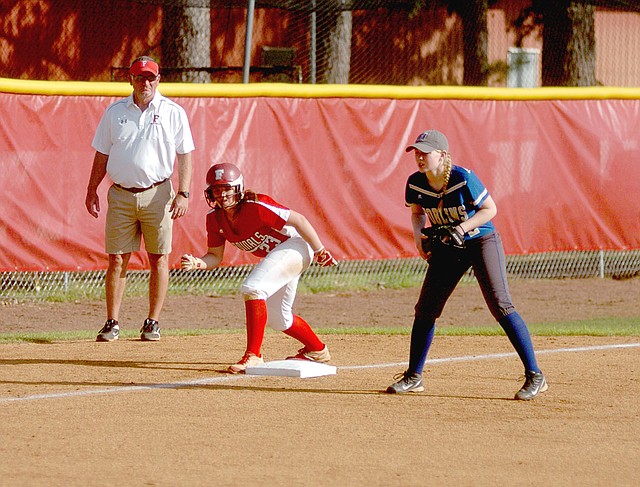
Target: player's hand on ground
(189, 263)
(324, 258)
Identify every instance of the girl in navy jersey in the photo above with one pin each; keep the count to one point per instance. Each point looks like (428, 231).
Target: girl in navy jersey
(449, 195)
(287, 243)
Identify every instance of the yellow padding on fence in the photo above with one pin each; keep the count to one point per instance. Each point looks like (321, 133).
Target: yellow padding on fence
(286, 90)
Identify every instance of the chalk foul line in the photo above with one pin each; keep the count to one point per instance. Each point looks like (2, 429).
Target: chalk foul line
(230, 378)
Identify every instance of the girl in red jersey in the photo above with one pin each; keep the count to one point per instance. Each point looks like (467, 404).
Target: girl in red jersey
(287, 243)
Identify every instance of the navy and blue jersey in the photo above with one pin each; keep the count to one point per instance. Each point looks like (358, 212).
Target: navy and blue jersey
(463, 197)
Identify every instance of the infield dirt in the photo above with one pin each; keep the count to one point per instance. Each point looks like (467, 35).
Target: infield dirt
(538, 301)
(134, 413)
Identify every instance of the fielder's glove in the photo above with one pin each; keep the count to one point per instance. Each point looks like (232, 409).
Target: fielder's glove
(188, 263)
(450, 236)
(324, 258)
(445, 235)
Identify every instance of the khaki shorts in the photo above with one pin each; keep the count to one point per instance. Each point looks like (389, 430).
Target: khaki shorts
(131, 216)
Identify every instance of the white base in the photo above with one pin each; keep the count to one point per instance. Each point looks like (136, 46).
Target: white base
(292, 368)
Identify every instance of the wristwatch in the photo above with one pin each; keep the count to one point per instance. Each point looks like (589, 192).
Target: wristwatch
(184, 193)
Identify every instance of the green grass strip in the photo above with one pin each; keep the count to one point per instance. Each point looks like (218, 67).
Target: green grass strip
(602, 327)
(61, 336)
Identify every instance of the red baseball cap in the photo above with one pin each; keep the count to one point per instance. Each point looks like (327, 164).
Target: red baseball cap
(144, 66)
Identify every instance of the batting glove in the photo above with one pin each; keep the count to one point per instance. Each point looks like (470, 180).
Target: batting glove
(324, 258)
(188, 263)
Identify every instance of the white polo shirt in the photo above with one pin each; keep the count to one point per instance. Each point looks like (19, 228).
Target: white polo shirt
(142, 146)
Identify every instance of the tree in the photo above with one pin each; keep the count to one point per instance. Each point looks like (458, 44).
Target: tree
(186, 43)
(568, 40)
(475, 35)
(568, 43)
(334, 42)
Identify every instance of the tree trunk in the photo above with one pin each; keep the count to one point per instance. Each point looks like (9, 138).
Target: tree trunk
(334, 46)
(186, 44)
(568, 44)
(475, 36)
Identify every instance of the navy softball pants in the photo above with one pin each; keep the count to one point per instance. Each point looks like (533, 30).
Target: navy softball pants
(446, 267)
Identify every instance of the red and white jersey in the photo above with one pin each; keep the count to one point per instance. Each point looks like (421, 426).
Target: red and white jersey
(258, 227)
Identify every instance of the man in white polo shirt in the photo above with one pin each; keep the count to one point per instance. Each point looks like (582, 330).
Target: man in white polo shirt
(137, 142)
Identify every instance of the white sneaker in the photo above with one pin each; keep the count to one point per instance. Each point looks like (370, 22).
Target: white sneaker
(248, 360)
(319, 356)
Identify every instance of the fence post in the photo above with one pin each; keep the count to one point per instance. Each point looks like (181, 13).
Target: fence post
(601, 257)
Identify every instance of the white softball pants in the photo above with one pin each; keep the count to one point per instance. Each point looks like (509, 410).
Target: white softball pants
(275, 279)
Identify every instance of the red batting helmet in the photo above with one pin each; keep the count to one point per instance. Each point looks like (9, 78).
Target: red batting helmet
(220, 179)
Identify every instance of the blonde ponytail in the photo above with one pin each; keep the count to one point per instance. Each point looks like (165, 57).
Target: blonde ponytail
(447, 171)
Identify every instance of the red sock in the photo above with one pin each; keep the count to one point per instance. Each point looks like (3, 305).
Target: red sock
(256, 316)
(301, 331)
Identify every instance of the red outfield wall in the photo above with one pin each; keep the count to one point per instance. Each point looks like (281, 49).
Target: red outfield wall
(564, 173)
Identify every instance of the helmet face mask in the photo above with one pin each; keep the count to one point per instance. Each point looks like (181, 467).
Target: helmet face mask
(223, 196)
(225, 186)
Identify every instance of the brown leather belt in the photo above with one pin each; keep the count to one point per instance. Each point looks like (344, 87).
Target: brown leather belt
(140, 190)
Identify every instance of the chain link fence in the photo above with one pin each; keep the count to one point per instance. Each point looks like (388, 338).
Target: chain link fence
(348, 276)
(388, 42)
